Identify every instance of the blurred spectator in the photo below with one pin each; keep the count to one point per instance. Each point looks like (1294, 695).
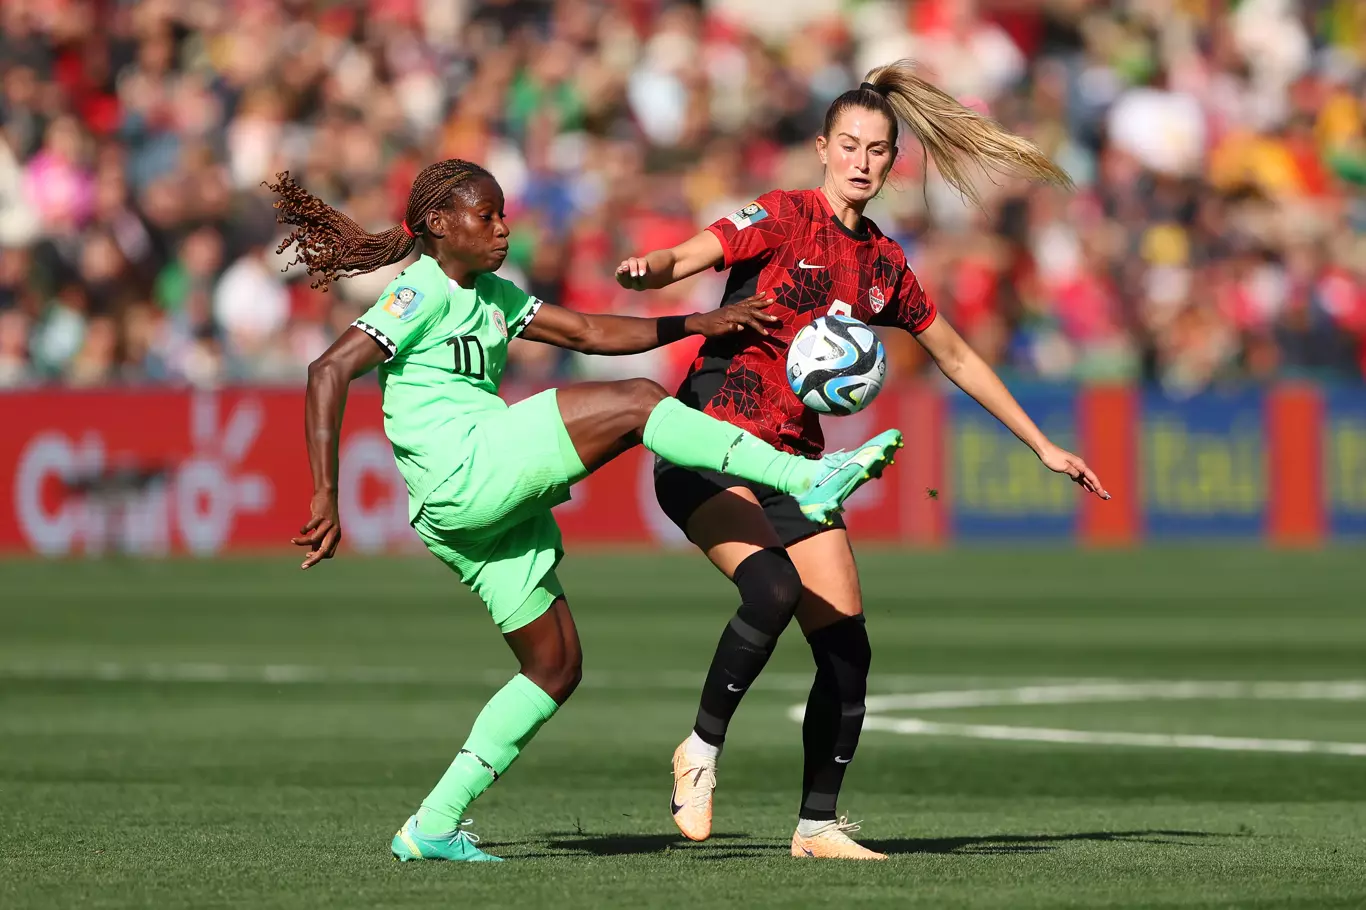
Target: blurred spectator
(14, 362)
(1219, 150)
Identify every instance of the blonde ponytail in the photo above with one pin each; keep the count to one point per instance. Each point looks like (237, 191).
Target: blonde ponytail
(956, 136)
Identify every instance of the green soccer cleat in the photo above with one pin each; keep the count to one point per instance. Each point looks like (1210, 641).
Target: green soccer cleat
(456, 846)
(844, 473)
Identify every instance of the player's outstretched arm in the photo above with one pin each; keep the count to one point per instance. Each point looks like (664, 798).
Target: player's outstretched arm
(598, 334)
(663, 267)
(960, 363)
(353, 354)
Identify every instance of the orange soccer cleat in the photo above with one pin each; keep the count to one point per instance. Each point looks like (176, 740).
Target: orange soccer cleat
(832, 842)
(690, 802)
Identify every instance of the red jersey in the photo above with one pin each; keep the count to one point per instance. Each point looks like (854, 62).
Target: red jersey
(791, 245)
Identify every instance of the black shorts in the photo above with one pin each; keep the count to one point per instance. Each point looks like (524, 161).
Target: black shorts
(681, 490)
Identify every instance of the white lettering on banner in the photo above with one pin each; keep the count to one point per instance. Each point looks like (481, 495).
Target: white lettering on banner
(207, 497)
(203, 505)
(139, 521)
(204, 496)
(371, 529)
(145, 522)
(47, 455)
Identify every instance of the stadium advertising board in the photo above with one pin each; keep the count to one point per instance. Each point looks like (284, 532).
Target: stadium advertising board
(1204, 466)
(155, 472)
(1344, 463)
(994, 486)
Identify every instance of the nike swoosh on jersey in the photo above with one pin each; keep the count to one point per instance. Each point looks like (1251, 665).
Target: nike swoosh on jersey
(803, 264)
(730, 688)
(842, 761)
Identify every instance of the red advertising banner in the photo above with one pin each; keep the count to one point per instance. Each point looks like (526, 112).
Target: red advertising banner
(157, 472)
(205, 472)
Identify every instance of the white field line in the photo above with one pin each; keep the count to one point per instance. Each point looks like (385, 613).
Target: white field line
(912, 726)
(1038, 694)
(301, 674)
(1101, 691)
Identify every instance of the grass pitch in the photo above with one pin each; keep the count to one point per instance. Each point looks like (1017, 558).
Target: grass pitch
(240, 734)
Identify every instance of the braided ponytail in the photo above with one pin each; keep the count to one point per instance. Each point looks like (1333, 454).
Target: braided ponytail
(331, 245)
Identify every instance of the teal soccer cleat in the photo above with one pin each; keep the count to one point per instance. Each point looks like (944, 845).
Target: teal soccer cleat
(845, 472)
(455, 846)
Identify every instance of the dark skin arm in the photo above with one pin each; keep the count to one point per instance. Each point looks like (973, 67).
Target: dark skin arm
(352, 355)
(355, 353)
(597, 334)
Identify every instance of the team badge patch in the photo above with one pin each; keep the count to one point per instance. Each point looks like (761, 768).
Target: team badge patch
(402, 302)
(875, 299)
(500, 323)
(748, 215)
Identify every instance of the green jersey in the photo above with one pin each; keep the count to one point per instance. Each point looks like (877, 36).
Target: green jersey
(447, 350)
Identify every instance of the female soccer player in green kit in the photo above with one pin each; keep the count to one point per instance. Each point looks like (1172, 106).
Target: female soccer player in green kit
(483, 476)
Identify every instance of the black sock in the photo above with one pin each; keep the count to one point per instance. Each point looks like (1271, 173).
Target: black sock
(769, 591)
(834, 713)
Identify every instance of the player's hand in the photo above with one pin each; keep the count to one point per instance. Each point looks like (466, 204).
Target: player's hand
(323, 531)
(631, 274)
(1064, 462)
(734, 317)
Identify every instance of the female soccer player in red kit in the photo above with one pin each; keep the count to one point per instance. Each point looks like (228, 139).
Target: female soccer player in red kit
(815, 254)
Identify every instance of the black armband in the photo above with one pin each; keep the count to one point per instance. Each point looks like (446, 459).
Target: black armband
(671, 329)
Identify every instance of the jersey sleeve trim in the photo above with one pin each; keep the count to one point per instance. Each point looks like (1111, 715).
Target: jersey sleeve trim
(525, 321)
(925, 323)
(727, 254)
(380, 338)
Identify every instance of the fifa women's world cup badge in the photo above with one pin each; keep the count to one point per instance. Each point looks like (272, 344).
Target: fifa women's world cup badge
(403, 303)
(748, 215)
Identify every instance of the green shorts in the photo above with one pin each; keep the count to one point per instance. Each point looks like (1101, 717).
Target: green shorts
(490, 521)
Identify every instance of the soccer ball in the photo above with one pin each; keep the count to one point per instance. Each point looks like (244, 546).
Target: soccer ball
(836, 365)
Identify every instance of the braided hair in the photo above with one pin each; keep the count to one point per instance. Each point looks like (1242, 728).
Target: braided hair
(330, 245)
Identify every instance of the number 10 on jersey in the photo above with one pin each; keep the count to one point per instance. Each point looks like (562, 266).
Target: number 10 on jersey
(469, 356)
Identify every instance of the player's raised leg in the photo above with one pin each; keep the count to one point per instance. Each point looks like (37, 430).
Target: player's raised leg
(830, 614)
(605, 419)
(551, 666)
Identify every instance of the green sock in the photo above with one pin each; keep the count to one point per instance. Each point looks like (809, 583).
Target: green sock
(507, 723)
(691, 439)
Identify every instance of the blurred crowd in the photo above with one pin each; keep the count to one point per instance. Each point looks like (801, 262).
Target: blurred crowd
(1217, 233)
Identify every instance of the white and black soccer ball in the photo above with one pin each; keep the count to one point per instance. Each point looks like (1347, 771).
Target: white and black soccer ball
(836, 365)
